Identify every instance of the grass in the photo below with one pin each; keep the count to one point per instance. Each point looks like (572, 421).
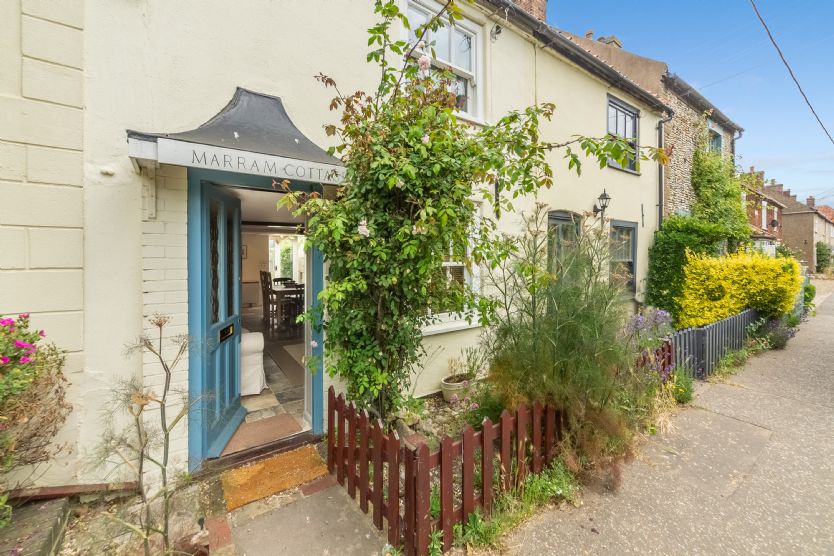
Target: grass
(554, 484)
(730, 364)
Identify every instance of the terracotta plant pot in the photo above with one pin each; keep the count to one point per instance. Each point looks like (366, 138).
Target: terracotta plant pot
(454, 385)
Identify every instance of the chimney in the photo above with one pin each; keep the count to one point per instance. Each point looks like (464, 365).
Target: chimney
(810, 201)
(752, 169)
(589, 34)
(788, 192)
(536, 8)
(611, 41)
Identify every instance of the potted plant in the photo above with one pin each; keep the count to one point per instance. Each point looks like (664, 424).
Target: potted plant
(462, 371)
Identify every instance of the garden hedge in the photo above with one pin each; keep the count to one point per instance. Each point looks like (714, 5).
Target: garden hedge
(718, 287)
(667, 258)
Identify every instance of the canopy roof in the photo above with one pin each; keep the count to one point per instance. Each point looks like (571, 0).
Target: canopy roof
(253, 124)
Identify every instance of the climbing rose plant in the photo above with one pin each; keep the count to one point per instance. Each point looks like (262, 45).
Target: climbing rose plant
(414, 174)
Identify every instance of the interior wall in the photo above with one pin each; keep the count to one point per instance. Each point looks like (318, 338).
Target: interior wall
(257, 256)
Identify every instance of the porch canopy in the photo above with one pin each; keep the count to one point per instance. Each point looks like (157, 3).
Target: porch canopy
(252, 135)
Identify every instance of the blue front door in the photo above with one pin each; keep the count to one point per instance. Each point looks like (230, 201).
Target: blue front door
(220, 331)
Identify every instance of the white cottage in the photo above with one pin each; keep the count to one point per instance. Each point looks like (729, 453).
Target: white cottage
(139, 147)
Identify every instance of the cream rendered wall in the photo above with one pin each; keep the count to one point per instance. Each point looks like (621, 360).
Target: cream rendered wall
(520, 73)
(41, 194)
(167, 66)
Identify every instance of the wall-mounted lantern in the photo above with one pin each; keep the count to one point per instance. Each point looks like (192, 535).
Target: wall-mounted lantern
(602, 203)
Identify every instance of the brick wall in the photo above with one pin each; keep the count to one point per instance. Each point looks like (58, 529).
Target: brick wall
(165, 289)
(536, 8)
(41, 181)
(681, 134)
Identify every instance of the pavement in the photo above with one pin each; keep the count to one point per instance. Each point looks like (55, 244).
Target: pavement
(317, 519)
(747, 469)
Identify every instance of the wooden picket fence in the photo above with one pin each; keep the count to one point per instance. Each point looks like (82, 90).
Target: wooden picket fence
(397, 482)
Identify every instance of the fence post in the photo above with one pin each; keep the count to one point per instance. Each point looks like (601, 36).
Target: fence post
(487, 435)
(421, 513)
(700, 352)
(394, 454)
(409, 502)
(331, 409)
(447, 506)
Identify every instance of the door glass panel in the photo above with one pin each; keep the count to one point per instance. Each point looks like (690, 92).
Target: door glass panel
(214, 259)
(230, 264)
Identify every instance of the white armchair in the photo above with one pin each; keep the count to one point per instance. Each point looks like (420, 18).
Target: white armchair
(252, 375)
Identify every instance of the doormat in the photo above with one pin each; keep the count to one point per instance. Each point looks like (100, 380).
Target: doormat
(271, 476)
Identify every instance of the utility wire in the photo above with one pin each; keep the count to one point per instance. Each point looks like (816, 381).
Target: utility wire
(793, 76)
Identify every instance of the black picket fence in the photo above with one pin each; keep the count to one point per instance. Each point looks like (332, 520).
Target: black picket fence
(700, 349)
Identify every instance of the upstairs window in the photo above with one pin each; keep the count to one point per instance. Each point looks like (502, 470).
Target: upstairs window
(454, 50)
(624, 121)
(716, 143)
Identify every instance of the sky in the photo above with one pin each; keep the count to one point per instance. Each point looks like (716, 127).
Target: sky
(720, 48)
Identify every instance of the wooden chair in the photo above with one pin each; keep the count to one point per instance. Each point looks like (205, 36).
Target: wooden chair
(270, 302)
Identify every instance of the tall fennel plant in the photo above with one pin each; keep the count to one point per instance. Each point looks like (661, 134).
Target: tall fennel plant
(145, 446)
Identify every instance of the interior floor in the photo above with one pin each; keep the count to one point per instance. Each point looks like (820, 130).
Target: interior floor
(278, 411)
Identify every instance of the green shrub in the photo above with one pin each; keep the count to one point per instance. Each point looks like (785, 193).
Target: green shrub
(778, 333)
(667, 257)
(684, 385)
(32, 400)
(823, 256)
(785, 251)
(808, 294)
(718, 287)
(557, 337)
(285, 262)
(484, 404)
(718, 192)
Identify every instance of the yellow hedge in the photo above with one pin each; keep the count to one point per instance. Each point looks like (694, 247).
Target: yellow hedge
(718, 287)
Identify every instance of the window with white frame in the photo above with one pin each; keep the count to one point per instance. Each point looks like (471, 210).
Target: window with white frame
(624, 122)
(455, 49)
(456, 273)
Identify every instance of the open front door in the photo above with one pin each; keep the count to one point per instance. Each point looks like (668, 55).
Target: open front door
(220, 333)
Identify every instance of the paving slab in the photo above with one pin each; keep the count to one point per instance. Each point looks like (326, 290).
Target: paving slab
(749, 469)
(326, 522)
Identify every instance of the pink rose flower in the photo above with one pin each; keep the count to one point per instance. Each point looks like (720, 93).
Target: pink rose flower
(24, 360)
(424, 62)
(314, 344)
(42, 334)
(24, 315)
(4, 360)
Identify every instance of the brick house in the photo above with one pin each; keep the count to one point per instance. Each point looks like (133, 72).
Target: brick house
(803, 224)
(679, 134)
(764, 212)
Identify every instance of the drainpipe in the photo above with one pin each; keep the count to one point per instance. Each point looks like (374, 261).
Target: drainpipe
(736, 138)
(660, 172)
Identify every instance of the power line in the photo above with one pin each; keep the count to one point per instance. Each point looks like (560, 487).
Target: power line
(793, 76)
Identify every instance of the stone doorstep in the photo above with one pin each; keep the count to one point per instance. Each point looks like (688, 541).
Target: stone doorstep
(37, 528)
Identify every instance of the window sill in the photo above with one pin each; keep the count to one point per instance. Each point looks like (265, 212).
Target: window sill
(626, 170)
(469, 119)
(449, 324)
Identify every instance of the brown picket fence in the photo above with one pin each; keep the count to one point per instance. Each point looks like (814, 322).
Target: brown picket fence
(397, 482)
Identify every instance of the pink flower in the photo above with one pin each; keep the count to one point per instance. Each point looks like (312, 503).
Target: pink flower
(22, 344)
(424, 62)
(363, 228)
(4, 360)
(425, 139)
(474, 406)
(314, 344)
(24, 360)
(6, 322)
(454, 399)
(42, 334)
(24, 315)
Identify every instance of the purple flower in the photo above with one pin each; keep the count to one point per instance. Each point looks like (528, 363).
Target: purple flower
(473, 406)
(454, 399)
